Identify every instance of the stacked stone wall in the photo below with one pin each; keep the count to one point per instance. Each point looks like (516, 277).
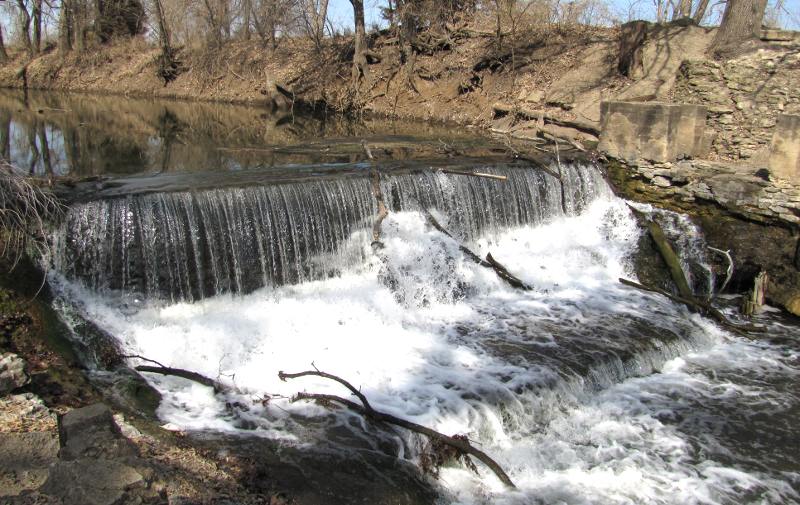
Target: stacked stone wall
(744, 97)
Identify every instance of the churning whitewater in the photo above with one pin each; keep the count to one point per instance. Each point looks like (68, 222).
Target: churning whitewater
(584, 390)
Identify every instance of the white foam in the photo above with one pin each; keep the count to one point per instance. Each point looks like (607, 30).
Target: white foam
(411, 352)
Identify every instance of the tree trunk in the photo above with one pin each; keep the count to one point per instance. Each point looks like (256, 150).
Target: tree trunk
(247, 8)
(167, 66)
(700, 11)
(740, 22)
(97, 12)
(65, 28)
(360, 48)
(79, 24)
(683, 10)
(37, 26)
(25, 24)
(3, 53)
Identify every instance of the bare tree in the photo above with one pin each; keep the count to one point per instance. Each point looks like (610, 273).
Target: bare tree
(360, 69)
(167, 64)
(740, 22)
(314, 14)
(700, 11)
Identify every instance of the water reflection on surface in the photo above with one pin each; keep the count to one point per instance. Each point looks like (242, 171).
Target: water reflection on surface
(54, 134)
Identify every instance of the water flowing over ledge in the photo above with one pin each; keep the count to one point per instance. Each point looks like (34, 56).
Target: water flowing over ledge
(584, 390)
(188, 245)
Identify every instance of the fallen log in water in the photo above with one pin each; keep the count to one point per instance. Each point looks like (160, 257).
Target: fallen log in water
(489, 262)
(460, 443)
(685, 293)
(218, 387)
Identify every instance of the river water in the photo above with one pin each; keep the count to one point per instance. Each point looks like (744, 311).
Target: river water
(583, 389)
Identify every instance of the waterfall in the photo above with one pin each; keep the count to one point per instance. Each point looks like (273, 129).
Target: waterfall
(190, 245)
(583, 389)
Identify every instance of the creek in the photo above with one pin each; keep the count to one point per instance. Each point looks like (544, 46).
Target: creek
(248, 252)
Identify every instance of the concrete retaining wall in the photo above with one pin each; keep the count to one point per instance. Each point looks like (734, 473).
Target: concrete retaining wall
(652, 131)
(784, 160)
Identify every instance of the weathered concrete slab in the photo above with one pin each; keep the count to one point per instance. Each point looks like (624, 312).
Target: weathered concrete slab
(784, 160)
(652, 131)
(775, 35)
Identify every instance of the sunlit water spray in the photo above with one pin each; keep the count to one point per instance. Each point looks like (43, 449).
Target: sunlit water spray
(584, 390)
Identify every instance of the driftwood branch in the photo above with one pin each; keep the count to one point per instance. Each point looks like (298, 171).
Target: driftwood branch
(218, 387)
(517, 154)
(461, 444)
(316, 373)
(473, 174)
(489, 262)
(728, 271)
(577, 124)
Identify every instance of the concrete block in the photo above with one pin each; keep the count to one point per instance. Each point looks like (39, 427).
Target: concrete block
(658, 132)
(784, 159)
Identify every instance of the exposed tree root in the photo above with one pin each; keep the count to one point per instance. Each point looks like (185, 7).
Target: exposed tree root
(460, 443)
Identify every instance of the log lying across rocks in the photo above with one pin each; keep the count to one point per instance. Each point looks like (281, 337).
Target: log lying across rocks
(460, 443)
(685, 294)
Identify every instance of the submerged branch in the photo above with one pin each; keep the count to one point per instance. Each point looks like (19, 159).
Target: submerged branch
(489, 262)
(218, 387)
(460, 444)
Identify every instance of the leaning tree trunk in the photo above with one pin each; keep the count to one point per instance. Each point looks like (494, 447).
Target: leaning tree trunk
(360, 50)
(740, 22)
(700, 11)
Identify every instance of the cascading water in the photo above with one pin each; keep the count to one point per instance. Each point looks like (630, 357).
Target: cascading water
(184, 246)
(584, 390)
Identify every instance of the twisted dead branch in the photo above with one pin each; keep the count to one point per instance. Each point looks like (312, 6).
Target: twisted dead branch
(459, 443)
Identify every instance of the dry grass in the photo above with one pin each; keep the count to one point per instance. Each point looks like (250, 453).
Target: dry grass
(26, 212)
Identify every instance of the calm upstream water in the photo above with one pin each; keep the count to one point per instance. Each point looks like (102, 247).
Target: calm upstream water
(238, 246)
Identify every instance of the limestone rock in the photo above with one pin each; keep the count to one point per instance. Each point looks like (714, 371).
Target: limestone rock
(102, 482)
(24, 458)
(91, 432)
(12, 373)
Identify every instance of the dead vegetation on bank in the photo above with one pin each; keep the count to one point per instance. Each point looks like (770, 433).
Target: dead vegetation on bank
(455, 73)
